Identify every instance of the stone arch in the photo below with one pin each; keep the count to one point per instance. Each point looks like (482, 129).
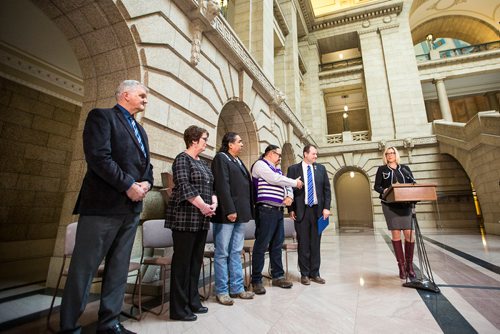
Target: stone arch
(353, 196)
(236, 116)
(465, 199)
(105, 48)
(465, 28)
(287, 157)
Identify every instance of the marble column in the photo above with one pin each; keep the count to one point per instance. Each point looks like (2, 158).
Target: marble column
(444, 104)
(254, 25)
(291, 85)
(377, 90)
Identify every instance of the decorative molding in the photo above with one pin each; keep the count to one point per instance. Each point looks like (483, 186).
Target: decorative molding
(279, 97)
(388, 26)
(408, 144)
(280, 18)
(225, 39)
(197, 30)
(255, 71)
(381, 145)
(27, 70)
(436, 5)
(210, 9)
(459, 59)
(356, 16)
(40, 88)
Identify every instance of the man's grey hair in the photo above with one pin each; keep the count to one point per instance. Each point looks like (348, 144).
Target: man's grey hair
(128, 85)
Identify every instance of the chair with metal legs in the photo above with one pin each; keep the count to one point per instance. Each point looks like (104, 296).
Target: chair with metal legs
(155, 236)
(69, 245)
(291, 245)
(248, 249)
(209, 254)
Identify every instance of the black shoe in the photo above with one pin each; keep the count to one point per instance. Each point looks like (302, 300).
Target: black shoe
(258, 288)
(189, 317)
(202, 309)
(116, 329)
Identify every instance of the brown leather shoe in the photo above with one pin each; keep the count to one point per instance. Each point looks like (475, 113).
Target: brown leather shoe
(318, 279)
(258, 288)
(282, 283)
(305, 280)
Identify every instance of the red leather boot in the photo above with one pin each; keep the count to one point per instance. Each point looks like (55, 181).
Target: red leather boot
(398, 251)
(409, 248)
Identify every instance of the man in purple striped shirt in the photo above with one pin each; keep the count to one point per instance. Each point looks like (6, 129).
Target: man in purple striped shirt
(273, 192)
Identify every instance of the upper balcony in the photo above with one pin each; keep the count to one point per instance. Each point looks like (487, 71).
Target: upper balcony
(466, 50)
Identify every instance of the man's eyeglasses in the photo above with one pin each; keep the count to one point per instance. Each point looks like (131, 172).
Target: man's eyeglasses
(278, 154)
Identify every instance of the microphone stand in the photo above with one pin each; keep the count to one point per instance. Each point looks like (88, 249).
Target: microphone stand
(425, 279)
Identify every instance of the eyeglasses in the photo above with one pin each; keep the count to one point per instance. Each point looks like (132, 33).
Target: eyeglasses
(278, 154)
(390, 153)
(204, 138)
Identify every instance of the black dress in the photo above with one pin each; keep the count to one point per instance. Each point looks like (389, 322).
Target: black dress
(397, 215)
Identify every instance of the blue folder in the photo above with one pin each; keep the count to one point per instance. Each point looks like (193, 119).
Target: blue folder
(322, 224)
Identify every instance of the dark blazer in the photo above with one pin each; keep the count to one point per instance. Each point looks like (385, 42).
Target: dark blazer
(114, 161)
(386, 176)
(233, 187)
(323, 192)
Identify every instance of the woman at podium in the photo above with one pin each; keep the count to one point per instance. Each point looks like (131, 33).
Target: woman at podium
(397, 215)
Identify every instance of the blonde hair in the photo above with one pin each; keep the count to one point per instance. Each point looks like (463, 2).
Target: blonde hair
(398, 158)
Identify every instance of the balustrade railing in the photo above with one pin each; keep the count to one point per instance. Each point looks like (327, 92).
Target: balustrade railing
(357, 136)
(341, 64)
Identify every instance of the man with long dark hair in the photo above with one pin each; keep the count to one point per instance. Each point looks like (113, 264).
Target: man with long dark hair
(234, 190)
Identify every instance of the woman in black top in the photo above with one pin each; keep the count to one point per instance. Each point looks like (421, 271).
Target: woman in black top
(189, 211)
(397, 215)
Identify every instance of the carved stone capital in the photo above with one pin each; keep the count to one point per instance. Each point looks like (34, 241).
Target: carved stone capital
(279, 97)
(210, 9)
(381, 145)
(408, 143)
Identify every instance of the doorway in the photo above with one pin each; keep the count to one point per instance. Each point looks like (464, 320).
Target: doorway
(354, 203)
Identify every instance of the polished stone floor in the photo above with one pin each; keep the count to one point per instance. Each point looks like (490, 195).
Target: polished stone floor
(363, 294)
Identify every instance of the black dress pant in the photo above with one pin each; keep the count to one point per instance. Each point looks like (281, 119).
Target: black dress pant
(309, 243)
(98, 237)
(185, 274)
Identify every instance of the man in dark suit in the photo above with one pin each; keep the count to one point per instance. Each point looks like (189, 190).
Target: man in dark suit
(119, 175)
(233, 187)
(310, 202)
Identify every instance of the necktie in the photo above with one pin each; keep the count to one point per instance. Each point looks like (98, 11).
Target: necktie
(310, 187)
(137, 135)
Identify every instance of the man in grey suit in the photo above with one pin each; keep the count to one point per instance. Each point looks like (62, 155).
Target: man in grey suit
(311, 202)
(119, 175)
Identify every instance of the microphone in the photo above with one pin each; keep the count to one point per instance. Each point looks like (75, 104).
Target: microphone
(408, 175)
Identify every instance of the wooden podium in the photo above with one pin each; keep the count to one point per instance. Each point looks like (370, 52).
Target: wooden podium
(413, 193)
(409, 192)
